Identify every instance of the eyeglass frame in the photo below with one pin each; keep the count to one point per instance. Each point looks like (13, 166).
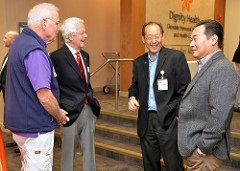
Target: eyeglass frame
(58, 23)
(152, 37)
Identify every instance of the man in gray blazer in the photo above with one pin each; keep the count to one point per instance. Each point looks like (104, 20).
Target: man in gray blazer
(206, 108)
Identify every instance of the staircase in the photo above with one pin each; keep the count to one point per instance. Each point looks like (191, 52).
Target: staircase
(116, 136)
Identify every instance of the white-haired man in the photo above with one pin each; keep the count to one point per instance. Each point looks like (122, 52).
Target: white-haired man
(31, 105)
(76, 93)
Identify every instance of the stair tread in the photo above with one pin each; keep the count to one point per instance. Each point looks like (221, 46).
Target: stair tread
(112, 164)
(119, 144)
(126, 115)
(124, 129)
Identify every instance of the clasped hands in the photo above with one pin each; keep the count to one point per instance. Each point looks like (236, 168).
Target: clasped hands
(63, 119)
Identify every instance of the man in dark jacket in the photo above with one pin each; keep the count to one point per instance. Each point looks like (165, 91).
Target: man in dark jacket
(71, 64)
(8, 39)
(160, 78)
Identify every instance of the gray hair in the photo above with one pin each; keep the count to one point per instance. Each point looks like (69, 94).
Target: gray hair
(70, 25)
(41, 11)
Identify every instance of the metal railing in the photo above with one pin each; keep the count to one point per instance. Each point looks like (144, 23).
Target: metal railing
(116, 74)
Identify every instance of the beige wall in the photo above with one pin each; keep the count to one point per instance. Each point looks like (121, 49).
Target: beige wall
(232, 27)
(102, 18)
(165, 12)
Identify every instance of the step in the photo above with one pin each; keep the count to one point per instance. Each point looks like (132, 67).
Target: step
(118, 150)
(130, 116)
(111, 149)
(130, 132)
(103, 145)
(117, 133)
(116, 118)
(235, 137)
(235, 123)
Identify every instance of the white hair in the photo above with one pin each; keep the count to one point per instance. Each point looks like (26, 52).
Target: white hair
(70, 25)
(41, 11)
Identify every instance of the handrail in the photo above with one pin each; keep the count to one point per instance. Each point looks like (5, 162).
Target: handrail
(116, 71)
(108, 61)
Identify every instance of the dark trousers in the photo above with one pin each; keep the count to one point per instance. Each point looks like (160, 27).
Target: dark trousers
(158, 142)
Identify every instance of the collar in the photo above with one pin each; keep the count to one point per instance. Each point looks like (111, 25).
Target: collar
(155, 57)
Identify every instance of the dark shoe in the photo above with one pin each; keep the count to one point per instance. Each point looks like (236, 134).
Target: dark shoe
(17, 150)
(12, 144)
(237, 109)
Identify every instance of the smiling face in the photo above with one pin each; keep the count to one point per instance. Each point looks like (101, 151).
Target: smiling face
(77, 40)
(153, 39)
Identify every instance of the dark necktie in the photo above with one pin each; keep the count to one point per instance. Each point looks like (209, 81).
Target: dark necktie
(80, 66)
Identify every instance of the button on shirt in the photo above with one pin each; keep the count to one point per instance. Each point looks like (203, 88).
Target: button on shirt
(152, 70)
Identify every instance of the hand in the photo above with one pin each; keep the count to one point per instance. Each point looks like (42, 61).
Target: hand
(133, 104)
(200, 152)
(177, 118)
(64, 118)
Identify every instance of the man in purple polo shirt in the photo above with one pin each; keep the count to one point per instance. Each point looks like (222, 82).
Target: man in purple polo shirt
(31, 108)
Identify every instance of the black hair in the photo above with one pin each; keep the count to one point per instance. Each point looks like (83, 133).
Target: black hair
(212, 27)
(151, 23)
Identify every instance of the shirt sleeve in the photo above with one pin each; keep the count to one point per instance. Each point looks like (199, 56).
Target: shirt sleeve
(38, 69)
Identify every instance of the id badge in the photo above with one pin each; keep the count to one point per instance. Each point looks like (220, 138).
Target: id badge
(162, 84)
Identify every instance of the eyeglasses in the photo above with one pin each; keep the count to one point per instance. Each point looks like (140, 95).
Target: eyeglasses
(56, 22)
(151, 37)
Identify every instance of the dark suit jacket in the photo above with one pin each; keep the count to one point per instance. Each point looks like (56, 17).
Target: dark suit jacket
(73, 90)
(3, 77)
(236, 56)
(176, 71)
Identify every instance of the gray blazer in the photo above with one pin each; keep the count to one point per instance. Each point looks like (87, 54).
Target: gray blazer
(206, 109)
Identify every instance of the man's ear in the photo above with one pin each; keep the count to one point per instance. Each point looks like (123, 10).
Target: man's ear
(70, 36)
(43, 24)
(214, 39)
(143, 39)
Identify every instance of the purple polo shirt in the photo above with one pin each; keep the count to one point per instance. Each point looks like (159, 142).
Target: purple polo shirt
(38, 69)
(39, 73)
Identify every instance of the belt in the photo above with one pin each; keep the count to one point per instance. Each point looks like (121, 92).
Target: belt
(152, 111)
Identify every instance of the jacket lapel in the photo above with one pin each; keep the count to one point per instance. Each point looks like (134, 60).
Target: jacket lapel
(146, 67)
(202, 71)
(161, 58)
(85, 65)
(71, 60)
